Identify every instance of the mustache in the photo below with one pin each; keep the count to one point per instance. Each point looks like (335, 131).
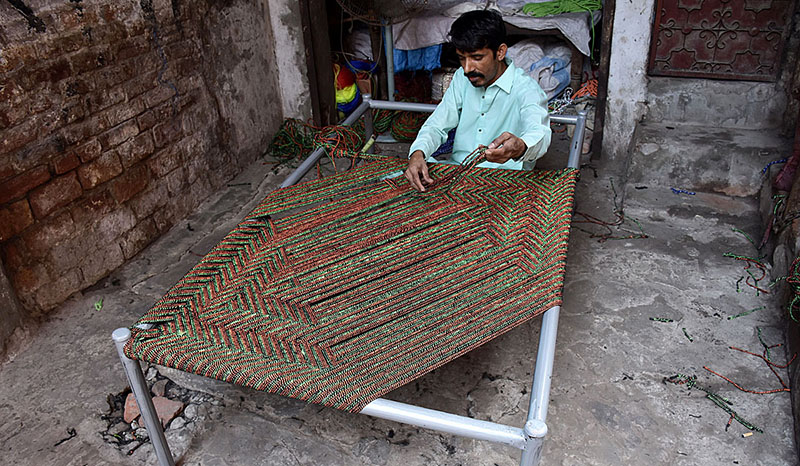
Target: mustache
(474, 74)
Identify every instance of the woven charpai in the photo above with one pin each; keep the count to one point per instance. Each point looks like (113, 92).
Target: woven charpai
(338, 290)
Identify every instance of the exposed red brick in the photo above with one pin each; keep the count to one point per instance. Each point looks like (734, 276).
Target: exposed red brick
(61, 45)
(39, 102)
(165, 161)
(47, 149)
(166, 132)
(67, 19)
(100, 170)
(140, 84)
(66, 163)
(146, 202)
(123, 111)
(72, 112)
(114, 224)
(184, 48)
(118, 134)
(11, 115)
(49, 233)
(104, 98)
(109, 76)
(14, 218)
(58, 290)
(6, 170)
(57, 193)
(16, 55)
(18, 136)
(131, 410)
(158, 95)
(138, 148)
(138, 238)
(185, 66)
(147, 120)
(92, 206)
(89, 151)
(76, 87)
(166, 409)
(134, 46)
(83, 130)
(109, 33)
(28, 279)
(47, 73)
(96, 266)
(18, 186)
(15, 253)
(133, 181)
(86, 60)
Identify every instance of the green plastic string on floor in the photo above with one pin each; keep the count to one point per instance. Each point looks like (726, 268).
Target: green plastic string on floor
(723, 403)
(794, 281)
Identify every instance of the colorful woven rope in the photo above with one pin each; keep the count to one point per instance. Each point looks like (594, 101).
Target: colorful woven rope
(406, 125)
(338, 290)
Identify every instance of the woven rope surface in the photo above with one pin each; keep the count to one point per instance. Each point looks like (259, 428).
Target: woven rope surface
(337, 291)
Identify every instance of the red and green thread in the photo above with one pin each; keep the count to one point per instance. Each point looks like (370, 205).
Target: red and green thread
(338, 290)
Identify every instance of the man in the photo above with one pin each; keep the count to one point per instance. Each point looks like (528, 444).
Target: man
(490, 102)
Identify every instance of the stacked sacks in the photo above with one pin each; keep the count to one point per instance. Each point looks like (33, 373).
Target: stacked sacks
(348, 96)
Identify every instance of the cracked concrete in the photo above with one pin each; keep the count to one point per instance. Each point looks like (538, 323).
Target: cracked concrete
(608, 405)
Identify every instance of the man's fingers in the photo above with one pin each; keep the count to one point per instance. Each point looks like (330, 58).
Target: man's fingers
(425, 175)
(413, 177)
(500, 140)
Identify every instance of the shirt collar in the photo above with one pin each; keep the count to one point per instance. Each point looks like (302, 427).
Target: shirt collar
(507, 78)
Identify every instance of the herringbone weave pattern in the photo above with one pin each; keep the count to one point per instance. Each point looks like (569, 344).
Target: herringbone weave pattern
(338, 290)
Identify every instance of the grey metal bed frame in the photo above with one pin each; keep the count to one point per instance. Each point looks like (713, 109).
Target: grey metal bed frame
(528, 438)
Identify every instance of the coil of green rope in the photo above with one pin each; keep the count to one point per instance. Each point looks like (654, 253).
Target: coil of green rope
(556, 7)
(406, 125)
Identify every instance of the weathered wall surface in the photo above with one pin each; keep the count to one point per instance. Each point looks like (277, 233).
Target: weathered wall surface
(715, 103)
(290, 58)
(627, 81)
(11, 314)
(116, 120)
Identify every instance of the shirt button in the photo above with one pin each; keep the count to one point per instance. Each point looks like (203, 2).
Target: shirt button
(480, 130)
(482, 114)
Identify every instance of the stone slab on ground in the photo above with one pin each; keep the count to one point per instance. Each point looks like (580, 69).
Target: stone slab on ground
(707, 159)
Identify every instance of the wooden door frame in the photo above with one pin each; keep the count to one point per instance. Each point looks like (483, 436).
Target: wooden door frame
(318, 60)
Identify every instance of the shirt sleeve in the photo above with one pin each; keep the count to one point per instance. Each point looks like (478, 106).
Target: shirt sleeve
(434, 131)
(536, 133)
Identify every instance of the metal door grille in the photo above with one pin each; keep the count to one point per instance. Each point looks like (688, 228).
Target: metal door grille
(721, 39)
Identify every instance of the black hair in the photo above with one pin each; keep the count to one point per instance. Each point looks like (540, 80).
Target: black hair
(477, 29)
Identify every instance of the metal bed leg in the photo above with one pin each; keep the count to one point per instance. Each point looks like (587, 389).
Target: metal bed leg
(535, 428)
(136, 380)
(369, 127)
(388, 46)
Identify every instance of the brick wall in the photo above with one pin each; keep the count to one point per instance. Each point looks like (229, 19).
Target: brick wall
(116, 120)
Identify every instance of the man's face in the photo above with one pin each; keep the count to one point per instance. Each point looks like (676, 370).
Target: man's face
(483, 66)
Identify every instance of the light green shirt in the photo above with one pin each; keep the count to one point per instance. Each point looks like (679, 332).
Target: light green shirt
(514, 103)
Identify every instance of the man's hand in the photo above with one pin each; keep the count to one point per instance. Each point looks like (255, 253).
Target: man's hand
(417, 171)
(505, 147)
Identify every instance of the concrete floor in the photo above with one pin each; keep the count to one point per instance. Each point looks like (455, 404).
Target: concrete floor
(609, 403)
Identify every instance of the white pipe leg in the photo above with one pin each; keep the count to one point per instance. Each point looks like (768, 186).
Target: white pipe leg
(445, 422)
(136, 380)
